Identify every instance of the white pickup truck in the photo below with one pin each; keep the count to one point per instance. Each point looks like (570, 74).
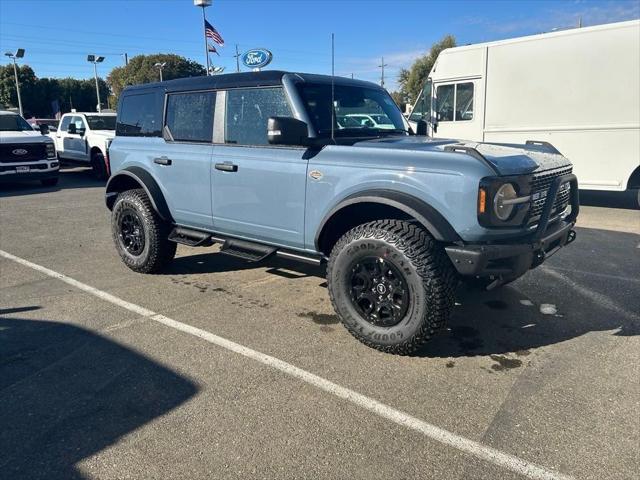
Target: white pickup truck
(84, 138)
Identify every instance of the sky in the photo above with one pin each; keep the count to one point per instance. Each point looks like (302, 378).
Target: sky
(58, 34)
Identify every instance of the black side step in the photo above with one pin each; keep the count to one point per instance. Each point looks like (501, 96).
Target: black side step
(193, 238)
(252, 252)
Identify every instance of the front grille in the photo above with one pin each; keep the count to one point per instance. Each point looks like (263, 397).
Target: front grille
(22, 152)
(540, 185)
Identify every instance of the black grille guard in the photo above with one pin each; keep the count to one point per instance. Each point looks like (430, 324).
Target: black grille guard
(552, 193)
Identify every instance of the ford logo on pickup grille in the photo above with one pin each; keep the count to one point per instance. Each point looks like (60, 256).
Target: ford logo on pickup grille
(19, 151)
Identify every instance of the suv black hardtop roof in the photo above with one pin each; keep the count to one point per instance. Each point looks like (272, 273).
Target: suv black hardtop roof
(244, 79)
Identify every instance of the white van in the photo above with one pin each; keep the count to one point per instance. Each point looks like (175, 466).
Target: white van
(577, 89)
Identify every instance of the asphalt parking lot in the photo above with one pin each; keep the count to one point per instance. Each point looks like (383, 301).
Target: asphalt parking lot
(542, 373)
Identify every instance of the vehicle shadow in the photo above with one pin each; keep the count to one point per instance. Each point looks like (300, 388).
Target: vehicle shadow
(70, 177)
(629, 199)
(68, 393)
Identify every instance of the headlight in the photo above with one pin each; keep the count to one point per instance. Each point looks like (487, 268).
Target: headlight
(51, 150)
(503, 201)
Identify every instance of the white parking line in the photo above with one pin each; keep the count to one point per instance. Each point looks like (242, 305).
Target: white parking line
(471, 447)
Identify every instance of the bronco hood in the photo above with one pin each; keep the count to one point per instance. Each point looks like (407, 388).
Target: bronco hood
(504, 158)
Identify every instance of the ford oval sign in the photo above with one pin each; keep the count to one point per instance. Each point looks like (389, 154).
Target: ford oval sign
(256, 58)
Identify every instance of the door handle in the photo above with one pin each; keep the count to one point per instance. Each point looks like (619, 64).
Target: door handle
(227, 167)
(162, 160)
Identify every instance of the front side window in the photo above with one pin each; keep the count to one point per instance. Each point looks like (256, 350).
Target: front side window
(444, 102)
(139, 116)
(422, 108)
(190, 116)
(248, 111)
(359, 111)
(64, 125)
(79, 123)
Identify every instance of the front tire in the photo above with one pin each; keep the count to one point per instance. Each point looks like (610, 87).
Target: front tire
(140, 234)
(99, 166)
(391, 284)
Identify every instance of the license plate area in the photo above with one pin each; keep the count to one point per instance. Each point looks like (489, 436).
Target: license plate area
(22, 169)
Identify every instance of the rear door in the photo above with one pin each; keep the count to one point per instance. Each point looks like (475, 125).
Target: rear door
(183, 164)
(258, 189)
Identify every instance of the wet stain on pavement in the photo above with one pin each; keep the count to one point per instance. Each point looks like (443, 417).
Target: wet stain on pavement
(320, 318)
(504, 363)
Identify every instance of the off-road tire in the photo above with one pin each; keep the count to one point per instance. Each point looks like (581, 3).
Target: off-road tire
(98, 166)
(427, 271)
(158, 251)
(49, 182)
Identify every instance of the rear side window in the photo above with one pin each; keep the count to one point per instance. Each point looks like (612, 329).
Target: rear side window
(139, 116)
(248, 111)
(190, 116)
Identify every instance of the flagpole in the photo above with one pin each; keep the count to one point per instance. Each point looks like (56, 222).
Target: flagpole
(206, 47)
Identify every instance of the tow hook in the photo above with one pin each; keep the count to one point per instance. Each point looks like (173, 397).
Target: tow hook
(538, 258)
(571, 236)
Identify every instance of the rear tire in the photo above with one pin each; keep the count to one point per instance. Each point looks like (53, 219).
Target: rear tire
(399, 305)
(99, 167)
(49, 182)
(140, 234)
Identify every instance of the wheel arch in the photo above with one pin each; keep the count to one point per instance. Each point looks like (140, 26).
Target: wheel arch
(132, 178)
(375, 205)
(634, 179)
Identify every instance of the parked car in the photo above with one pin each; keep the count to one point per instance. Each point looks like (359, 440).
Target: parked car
(51, 123)
(544, 86)
(24, 153)
(372, 120)
(84, 138)
(252, 161)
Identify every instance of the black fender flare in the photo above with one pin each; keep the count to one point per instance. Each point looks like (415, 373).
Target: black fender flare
(122, 180)
(424, 213)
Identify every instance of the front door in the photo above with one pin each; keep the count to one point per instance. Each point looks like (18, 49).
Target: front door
(258, 189)
(75, 144)
(454, 111)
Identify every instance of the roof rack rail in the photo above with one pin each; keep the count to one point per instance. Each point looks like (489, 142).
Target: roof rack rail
(546, 146)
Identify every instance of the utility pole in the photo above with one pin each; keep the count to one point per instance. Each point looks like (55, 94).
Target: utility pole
(18, 54)
(382, 65)
(126, 59)
(237, 55)
(204, 4)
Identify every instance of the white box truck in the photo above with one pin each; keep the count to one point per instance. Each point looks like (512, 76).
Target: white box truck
(577, 89)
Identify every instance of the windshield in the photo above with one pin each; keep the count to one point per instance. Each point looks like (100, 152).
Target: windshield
(14, 123)
(101, 122)
(359, 111)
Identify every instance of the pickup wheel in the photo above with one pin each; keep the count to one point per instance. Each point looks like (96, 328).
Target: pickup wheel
(98, 166)
(391, 284)
(140, 234)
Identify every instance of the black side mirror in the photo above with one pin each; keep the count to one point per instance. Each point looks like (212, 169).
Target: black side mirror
(287, 131)
(421, 127)
(44, 129)
(72, 128)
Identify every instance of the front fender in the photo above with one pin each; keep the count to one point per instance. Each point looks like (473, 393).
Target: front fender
(136, 177)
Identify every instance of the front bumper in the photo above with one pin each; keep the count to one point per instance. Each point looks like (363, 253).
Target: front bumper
(507, 261)
(40, 170)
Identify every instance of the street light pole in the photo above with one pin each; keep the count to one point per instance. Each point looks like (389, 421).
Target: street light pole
(160, 66)
(95, 59)
(18, 54)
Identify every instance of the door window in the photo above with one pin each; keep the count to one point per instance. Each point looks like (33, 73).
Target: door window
(64, 125)
(459, 95)
(79, 123)
(190, 116)
(140, 115)
(248, 111)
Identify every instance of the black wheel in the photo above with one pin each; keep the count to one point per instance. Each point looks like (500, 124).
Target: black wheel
(98, 166)
(391, 285)
(140, 234)
(49, 182)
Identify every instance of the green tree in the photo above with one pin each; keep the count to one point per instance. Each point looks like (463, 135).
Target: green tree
(412, 80)
(141, 69)
(8, 94)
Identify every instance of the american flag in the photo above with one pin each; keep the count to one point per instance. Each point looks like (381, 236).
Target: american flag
(213, 34)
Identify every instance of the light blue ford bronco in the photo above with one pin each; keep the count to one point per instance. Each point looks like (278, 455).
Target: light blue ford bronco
(288, 164)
